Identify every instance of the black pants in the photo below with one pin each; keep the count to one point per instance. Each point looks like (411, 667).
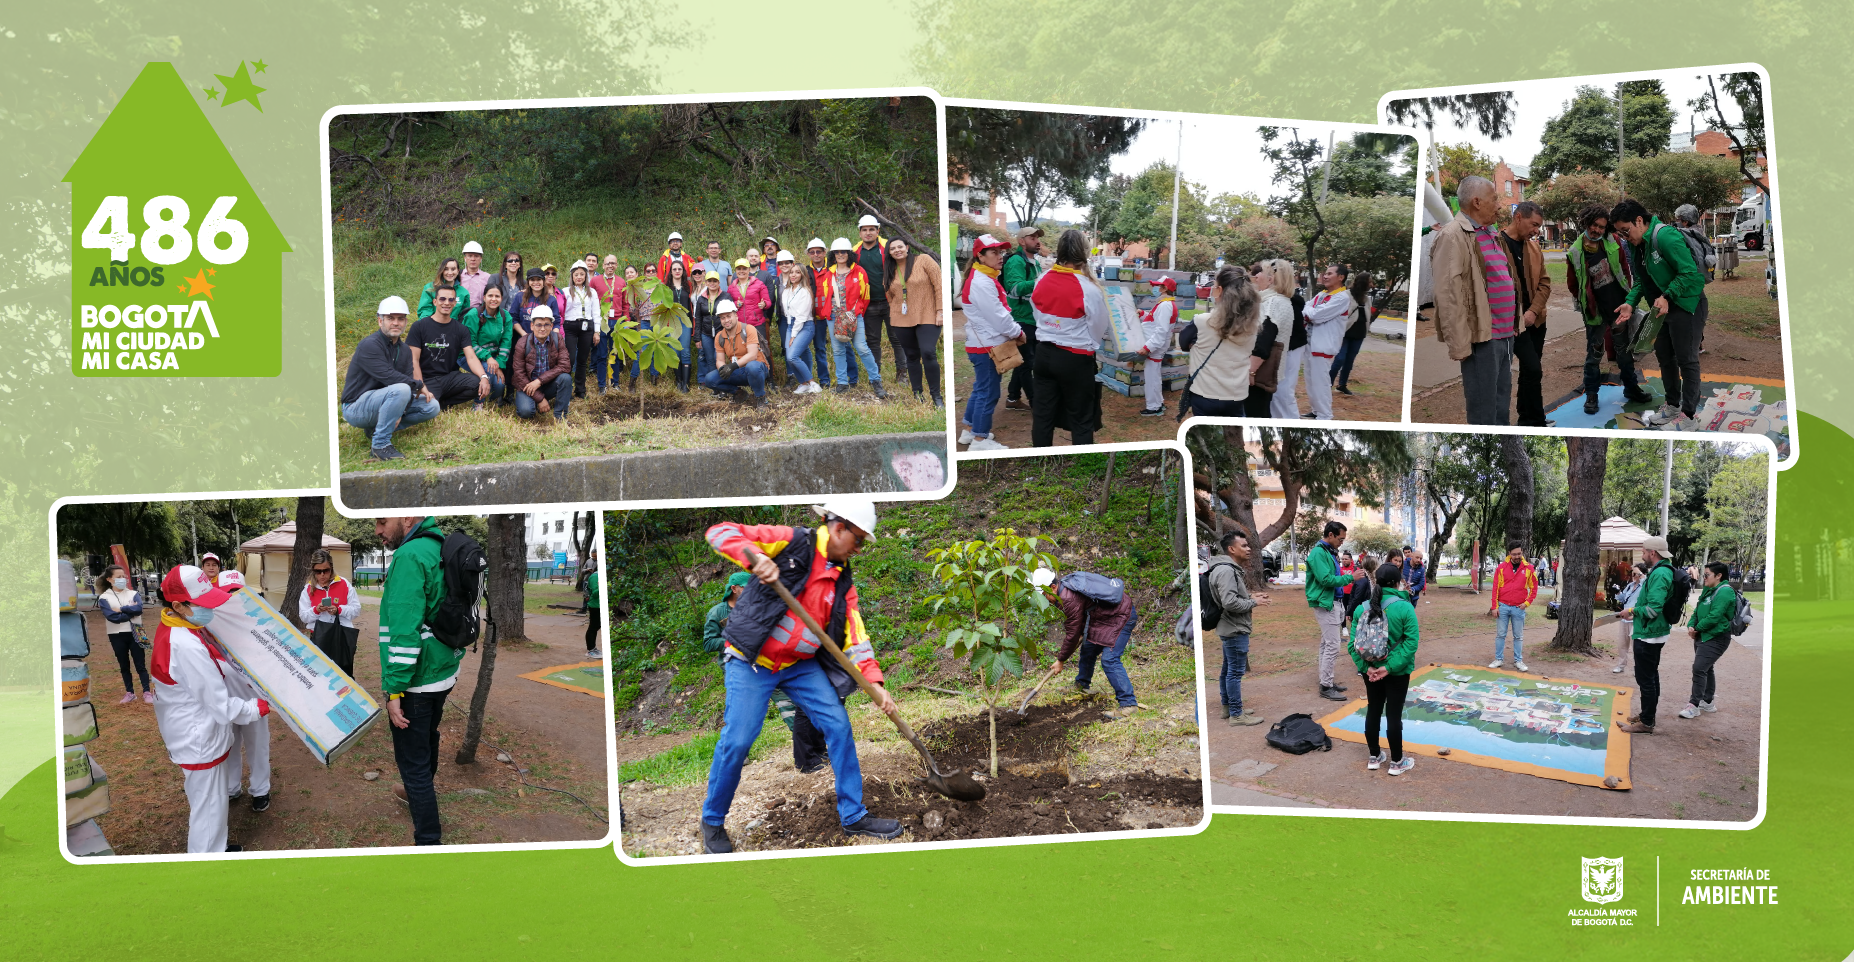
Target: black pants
(592, 629)
(337, 641)
(1218, 408)
(808, 751)
(1593, 357)
(1384, 699)
(127, 651)
(1021, 383)
(1256, 406)
(875, 318)
(457, 387)
(1647, 677)
(1706, 652)
(1677, 349)
(579, 354)
(1529, 351)
(919, 348)
(415, 748)
(1065, 387)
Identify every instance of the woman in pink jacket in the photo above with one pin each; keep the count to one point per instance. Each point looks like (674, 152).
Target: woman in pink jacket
(754, 305)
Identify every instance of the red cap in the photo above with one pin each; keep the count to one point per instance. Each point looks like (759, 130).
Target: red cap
(187, 583)
(1170, 285)
(985, 242)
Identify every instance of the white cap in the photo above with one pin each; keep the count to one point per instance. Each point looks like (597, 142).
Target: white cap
(857, 511)
(208, 555)
(472, 247)
(785, 257)
(394, 305)
(675, 235)
(840, 244)
(230, 578)
(868, 221)
(541, 310)
(725, 306)
(817, 242)
(1042, 577)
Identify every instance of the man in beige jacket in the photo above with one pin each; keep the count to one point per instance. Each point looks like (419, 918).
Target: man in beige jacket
(1477, 330)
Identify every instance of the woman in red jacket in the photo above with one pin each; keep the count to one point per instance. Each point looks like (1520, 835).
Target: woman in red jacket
(847, 299)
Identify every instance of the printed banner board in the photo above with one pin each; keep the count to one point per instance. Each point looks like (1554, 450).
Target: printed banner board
(320, 703)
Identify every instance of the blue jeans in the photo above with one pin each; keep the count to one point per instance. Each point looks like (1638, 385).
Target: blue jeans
(708, 353)
(562, 391)
(846, 359)
(983, 401)
(751, 374)
(496, 384)
(415, 749)
(1342, 365)
(1235, 665)
(382, 411)
(601, 358)
(795, 353)
(749, 691)
(1110, 663)
(1515, 616)
(820, 349)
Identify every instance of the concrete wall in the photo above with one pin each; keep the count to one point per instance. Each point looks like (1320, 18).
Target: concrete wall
(865, 464)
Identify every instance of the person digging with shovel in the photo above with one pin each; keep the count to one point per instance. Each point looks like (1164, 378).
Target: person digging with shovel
(1099, 618)
(768, 648)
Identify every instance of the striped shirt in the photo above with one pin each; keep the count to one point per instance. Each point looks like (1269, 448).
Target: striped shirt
(1502, 296)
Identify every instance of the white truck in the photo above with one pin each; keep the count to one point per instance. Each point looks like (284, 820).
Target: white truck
(1751, 221)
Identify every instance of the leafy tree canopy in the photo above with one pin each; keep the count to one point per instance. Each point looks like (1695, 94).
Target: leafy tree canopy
(1031, 157)
(1583, 137)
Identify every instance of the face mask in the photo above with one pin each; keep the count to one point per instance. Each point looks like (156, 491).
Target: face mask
(120, 584)
(201, 617)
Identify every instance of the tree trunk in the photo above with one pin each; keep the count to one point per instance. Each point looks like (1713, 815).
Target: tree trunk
(504, 590)
(1580, 574)
(1439, 538)
(308, 539)
(1519, 488)
(1107, 485)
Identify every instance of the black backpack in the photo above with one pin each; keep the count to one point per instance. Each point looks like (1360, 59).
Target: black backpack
(463, 562)
(1210, 608)
(1298, 735)
(1099, 589)
(1677, 595)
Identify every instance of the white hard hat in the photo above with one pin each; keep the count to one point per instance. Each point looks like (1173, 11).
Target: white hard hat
(1042, 577)
(394, 305)
(869, 221)
(725, 306)
(785, 257)
(541, 310)
(817, 242)
(857, 511)
(675, 235)
(472, 247)
(840, 244)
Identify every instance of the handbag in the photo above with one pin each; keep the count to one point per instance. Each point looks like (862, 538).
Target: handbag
(1642, 328)
(1006, 356)
(843, 325)
(1268, 376)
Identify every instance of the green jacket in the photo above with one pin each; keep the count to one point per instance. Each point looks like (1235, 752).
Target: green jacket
(1576, 278)
(410, 657)
(1650, 618)
(1712, 617)
(428, 304)
(595, 590)
(1323, 576)
(712, 642)
(1664, 256)
(1019, 279)
(491, 338)
(1404, 632)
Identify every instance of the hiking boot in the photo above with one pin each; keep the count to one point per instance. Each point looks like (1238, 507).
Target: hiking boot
(715, 840)
(1590, 404)
(1331, 694)
(387, 453)
(1691, 711)
(759, 402)
(874, 827)
(1637, 728)
(1398, 768)
(880, 394)
(1079, 688)
(1246, 719)
(1635, 395)
(1372, 763)
(260, 803)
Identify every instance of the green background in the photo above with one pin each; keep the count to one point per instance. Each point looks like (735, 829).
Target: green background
(1248, 886)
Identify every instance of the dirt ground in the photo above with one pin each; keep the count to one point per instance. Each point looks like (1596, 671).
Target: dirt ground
(1703, 768)
(1731, 350)
(1376, 383)
(558, 736)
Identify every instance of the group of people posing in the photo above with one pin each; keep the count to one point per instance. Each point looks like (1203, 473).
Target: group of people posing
(1046, 325)
(522, 337)
(1492, 293)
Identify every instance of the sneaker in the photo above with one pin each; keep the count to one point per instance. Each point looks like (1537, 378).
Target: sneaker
(1152, 412)
(1691, 711)
(1331, 694)
(1618, 669)
(759, 402)
(1520, 665)
(1335, 686)
(715, 840)
(965, 435)
(1637, 396)
(260, 803)
(1707, 706)
(843, 389)
(1398, 768)
(1637, 728)
(1665, 414)
(881, 395)
(148, 696)
(1372, 763)
(1590, 404)
(234, 848)
(127, 698)
(592, 654)
(1246, 719)
(387, 453)
(1342, 389)
(874, 827)
(987, 444)
(1496, 663)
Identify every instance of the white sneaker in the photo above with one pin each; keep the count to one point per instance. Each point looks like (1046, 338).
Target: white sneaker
(1691, 711)
(1372, 763)
(1707, 706)
(1618, 669)
(1520, 665)
(1398, 768)
(592, 654)
(987, 444)
(965, 435)
(814, 388)
(1666, 414)
(1496, 663)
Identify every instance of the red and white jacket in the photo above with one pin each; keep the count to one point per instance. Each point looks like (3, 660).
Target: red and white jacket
(347, 603)
(988, 316)
(1327, 317)
(1159, 325)
(195, 708)
(790, 641)
(1071, 310)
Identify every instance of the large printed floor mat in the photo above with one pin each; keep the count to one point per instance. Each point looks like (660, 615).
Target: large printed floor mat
(586, 677)
(1549, 727)
(1735, 405)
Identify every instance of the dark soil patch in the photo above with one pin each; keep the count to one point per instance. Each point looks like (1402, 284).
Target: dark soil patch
(623, 406)
(1034, 793)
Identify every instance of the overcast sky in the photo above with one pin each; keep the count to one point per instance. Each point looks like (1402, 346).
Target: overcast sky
(1222, 153)
(1538, 101)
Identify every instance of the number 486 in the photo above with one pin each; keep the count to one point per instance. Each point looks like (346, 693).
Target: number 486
(166, 240)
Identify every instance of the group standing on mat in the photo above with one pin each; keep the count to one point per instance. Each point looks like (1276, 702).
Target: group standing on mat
(519, 337)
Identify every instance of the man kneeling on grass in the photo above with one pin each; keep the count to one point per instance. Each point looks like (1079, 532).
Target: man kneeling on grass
(768, 648)
(540, 367)
(382, 393)
(738, 360)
